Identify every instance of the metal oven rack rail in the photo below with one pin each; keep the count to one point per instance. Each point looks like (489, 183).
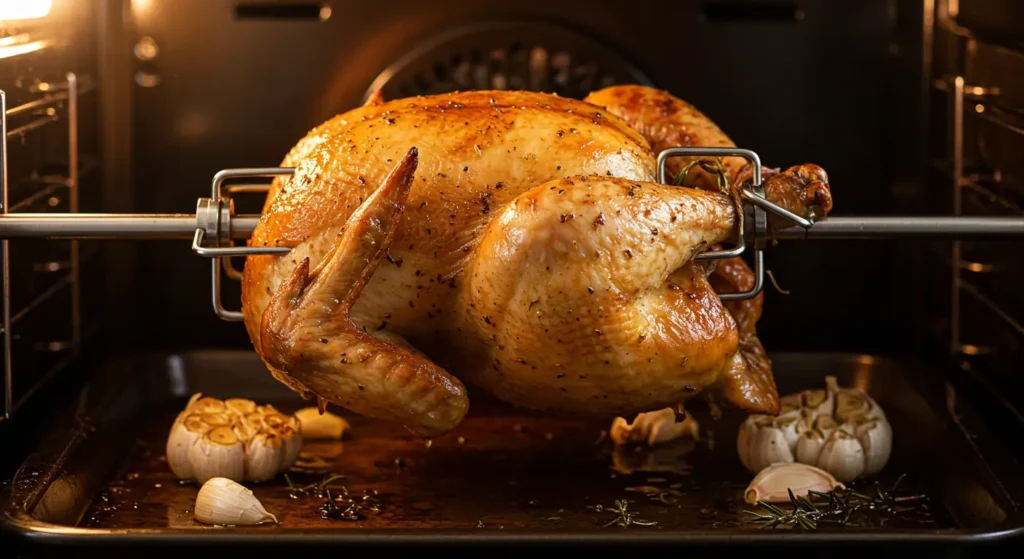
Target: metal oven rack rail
(214, 228)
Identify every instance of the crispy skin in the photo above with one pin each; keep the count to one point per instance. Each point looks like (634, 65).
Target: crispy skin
(474, 157)
(583, 298)
(306, 332)
(667, 122)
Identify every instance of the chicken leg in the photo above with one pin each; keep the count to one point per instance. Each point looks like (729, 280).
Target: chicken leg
(584, 298)
(667, 121)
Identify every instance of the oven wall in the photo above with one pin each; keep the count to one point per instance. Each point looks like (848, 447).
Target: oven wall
(839, 85)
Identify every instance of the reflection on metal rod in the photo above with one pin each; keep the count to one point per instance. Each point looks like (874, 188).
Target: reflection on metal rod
(5, 255)
(183, 226)
(113, 226)
(76, 283)
(898, 227)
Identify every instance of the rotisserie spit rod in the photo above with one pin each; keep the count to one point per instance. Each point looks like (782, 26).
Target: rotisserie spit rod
(183, 226)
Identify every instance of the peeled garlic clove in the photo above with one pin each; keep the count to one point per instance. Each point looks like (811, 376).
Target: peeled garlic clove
(842, 456)
(264, 454)
(316, 426)
(875, 438)
(768, 446)
(218, 453)
(808, 448)
(773, 483)
(184, 434)
(240, 406)
(225, 502)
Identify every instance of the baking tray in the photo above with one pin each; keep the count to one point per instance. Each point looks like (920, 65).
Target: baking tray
(504, 476)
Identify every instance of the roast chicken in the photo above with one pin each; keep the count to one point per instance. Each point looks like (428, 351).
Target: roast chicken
(516, 242)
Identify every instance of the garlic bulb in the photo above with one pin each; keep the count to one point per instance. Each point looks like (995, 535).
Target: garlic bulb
(233, 439)
(773, 484)
(840, 430)
(321, 426)
(652, 428)
(225, 502)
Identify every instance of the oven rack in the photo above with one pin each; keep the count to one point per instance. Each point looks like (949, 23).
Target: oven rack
(48, 105)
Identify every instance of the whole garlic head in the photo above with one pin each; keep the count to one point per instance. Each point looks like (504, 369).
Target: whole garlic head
(233, 439)
(842, 431)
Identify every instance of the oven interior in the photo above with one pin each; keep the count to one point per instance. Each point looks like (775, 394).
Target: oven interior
(913, 106)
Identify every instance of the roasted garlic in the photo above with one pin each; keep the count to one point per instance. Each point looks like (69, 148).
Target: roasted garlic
(773, 484)
(840, 430)
(222, 501)
(316, 425)
(233, 439)
(652, 428)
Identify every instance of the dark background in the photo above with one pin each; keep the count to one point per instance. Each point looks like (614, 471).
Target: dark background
(833, 83)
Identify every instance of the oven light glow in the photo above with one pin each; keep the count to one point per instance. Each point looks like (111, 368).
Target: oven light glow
(23, 9)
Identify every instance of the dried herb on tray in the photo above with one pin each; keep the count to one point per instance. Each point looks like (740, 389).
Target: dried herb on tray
(624, 517)
(337, 506)
(843, 507)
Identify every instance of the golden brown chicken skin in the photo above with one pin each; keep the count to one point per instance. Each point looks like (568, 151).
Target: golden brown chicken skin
(513, 240)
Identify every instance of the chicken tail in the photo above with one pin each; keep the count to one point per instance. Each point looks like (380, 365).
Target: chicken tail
(307, 334)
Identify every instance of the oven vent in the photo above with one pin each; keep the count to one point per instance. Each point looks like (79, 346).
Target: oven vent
(737, 12)
(521, 56)
(306, 11)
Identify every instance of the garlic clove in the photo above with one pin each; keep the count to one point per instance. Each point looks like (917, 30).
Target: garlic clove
(875, 438)
(218, 453)
(217, 419)
(316, 426)
(192, 401)
(792, 405)
(791, 428)
(222, 501)
(293, 440)
(768, 446)
(825, 424)
(208, 405)
(184, 434)
(273, 420)
(241, 406)
(773, 483)
(819, 402)
(264, 454)
(808, 448)
(744, 438)
(852, 404)
(842, 456)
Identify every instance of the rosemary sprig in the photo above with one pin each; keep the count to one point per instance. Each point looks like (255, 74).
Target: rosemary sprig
(624, 517)
(716, 168)
(843, 507)
(317, 489)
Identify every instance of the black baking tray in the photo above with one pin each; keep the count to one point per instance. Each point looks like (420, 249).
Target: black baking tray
(504, 476)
